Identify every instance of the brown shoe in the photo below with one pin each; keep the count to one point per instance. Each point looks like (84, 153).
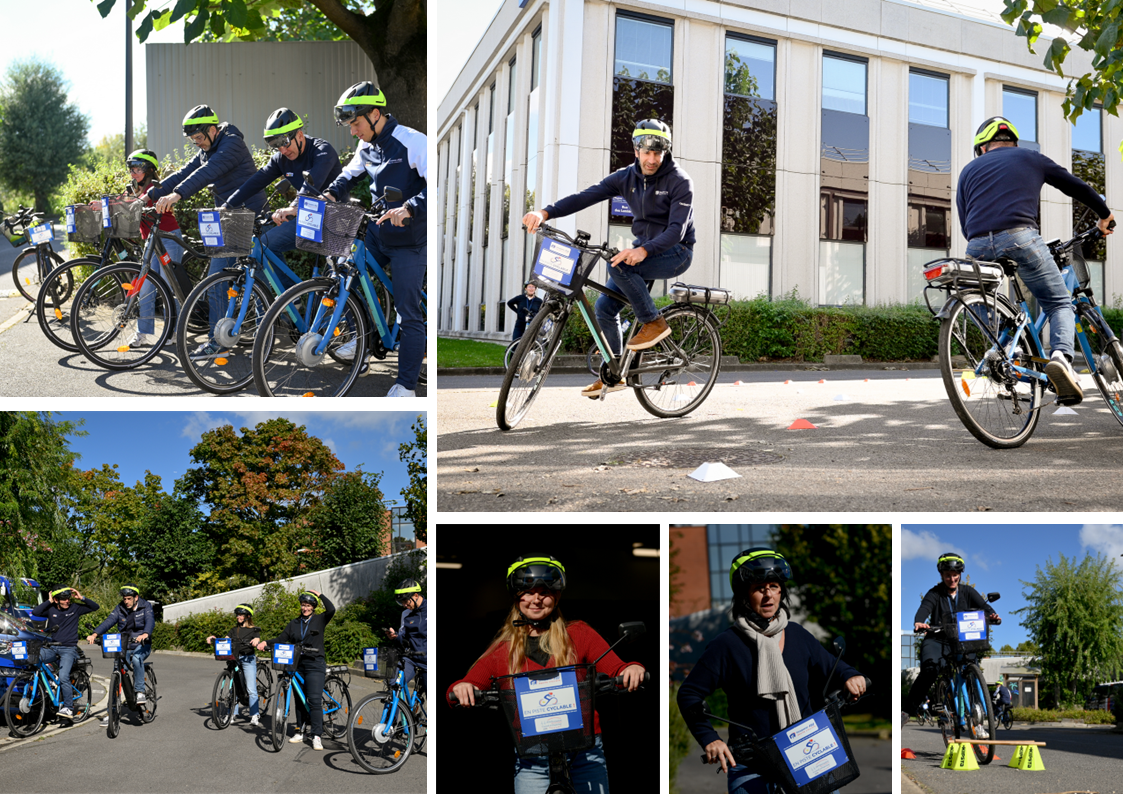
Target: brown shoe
(650, 334)
(593, 392)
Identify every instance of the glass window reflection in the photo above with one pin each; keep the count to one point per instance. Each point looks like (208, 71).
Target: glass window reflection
(643, 49)
(1020, 107)
(750, 68)
(928, 99)
(844, 85)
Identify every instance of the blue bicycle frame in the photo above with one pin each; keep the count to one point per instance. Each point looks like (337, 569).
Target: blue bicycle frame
(44, 673)
(296, 681)
(270, 264)
(411, 699)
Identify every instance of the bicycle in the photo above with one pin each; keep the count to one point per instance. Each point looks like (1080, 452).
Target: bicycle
(962, 702)
(28, 226)
(121, 688)
(336, 695)
(670, 379)
(35, 695)
(990, 346)
(230, 686)
(924, 716)
(575, 688)
(313, 340)
(109, 310)
(386, 727)
(811, 756)
(1003, 715)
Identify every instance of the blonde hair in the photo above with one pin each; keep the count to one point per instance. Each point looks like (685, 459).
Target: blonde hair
(555, 642)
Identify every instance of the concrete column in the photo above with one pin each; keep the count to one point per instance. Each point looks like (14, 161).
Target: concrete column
(563, 33)
(1113, 182)
(463, 197)
(1056, 143)
(524, 60)
(966, 111)
(887, 240)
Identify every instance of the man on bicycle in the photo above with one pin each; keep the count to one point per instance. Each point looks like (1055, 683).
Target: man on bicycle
(661, 197)
(940, 604)
(134, 617)
(394, 156)
(62, 613)
(294, 153)
(414, 630)
(1002, 698)
(224, 162)
(998, 198)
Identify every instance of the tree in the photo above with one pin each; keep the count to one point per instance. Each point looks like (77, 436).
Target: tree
(413, 455)
(351, 523)
(1074, 614)
(392, 34)
(1095, 26)
(169, 547)
(35, 469)
(111, 148)
(43, 132)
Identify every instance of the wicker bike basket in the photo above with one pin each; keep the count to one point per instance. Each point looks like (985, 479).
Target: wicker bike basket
(340, 224)
(288, 665)
(562, 267)
(383, 663)
(551, 710)
(226, 233)
(117, 650)
(26, 651)
(124, 216)
(87, 224)
(967, 632)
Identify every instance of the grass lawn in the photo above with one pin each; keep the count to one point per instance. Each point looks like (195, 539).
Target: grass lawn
(469, 353)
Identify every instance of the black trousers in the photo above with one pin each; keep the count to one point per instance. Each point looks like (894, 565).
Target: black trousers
(931, 652)
(313, 671)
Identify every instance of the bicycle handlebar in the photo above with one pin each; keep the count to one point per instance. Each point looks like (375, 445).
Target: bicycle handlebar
(604, 250)
(604, 684)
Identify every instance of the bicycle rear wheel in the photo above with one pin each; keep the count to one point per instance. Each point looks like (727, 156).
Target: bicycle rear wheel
(29, 271)
(229, 368)
(83, 696)
(116, 325)
(1109, 361)
(337, 707)
(980, 715)
(995, 407)
(279, 713)
(52, 307)
(377, 746)
(24, 710)
(285, 363)
(681, 384)
(148, 708)
(114, 707)
(530, 364)
(222, 701)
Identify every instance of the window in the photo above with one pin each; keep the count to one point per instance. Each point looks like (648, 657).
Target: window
(1088, 164)
(844, 84)
(750, 67)
(929, 195)
(928, 99)
(725, 542)
(1086, 133)
(1020, 107)
(644, 48)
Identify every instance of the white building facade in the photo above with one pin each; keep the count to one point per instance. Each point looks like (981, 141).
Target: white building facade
(824, 140)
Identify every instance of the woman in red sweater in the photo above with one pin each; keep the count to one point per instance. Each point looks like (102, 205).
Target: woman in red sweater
(535, 636)
(143, 169)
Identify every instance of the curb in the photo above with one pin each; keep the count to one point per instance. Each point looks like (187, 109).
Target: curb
(7, 742)
(746, 366)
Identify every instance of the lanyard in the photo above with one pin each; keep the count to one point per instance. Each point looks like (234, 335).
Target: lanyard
(305, 630)
(953, 604)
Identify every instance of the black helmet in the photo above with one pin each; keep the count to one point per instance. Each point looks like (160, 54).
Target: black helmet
(758, 564)
(406, 589)
(358, 100)
(144, 158)
(243, 609)
(996, 128)
(308, 598)
(526, 573)
(198, 119)
(652, 134)
(281, 126)
(950, 562)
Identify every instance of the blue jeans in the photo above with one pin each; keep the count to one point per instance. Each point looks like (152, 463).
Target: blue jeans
(136, 658)
(410, 667)
(1041, 276)
(146, 324)
(66, 656)
(743, 780)
(280, 239)
(216, 295)
(407, 275)
(532, 775)
(249, 673)
(635, 284)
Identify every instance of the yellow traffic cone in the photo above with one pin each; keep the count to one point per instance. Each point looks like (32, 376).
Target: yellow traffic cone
(960, 758)
(1019, 753)
(1031, 760)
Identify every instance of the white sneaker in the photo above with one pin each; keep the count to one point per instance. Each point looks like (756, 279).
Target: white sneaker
(316, 743)
(255, 722)
(1064, 379)
(65, 712)
(140, 698)
(398, 390)
(346, 351)
(297, 737)
(137, 339)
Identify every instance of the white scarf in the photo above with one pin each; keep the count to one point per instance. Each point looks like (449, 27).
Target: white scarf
(773, 681)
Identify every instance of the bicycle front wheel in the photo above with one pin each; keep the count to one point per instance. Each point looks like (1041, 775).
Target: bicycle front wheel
(688, 363)
(279, 714)
(980, 714)
(226, 366)
(264, 686)
(83, 695)
(994, 405)
(377, 745)
(118, 322)
(530, 364)
(222, 701)
(23, 709)
(1108, 373)
(285, 361)
(30, 270)
(337, 707)
(52, 307)
(945, 710)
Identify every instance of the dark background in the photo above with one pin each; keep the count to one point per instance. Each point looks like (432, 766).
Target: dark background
(606, 586)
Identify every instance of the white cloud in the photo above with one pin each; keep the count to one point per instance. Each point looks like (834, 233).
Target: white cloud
(199, 422)
(925, 545)
(1106, 539)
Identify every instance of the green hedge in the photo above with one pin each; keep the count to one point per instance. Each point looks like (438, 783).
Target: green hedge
(1089, 717)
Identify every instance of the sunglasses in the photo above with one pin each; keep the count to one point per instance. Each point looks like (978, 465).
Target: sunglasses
(279, 143)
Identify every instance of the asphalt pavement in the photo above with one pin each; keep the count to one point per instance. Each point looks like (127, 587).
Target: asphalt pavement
(882, 441)
(181, 750)
(1076, 758)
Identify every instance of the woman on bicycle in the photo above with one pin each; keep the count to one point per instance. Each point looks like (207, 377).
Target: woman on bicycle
(536, 636)
(308, 630)
(769, 667)
(243, 634)
(939, 604)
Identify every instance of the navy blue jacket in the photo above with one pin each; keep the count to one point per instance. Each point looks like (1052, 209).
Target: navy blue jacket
(1000, 190)
(396, 158)
(729, 663)
(139, 620)
(525, 308)
(663, 204)
(319, 157)
(225, 167)
(414, 631)
(67, 621)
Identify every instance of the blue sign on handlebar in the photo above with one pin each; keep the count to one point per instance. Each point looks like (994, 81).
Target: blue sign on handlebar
(811, 748)
(210, 229)
(548, 705)
(556, 261)
(971, 626)
(310, 218)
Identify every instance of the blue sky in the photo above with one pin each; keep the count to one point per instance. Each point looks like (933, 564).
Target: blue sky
(998, 558)
(161, 441)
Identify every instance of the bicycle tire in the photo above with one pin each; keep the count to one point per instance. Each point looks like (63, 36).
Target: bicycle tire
(1108, 375)
(695, 332)
(335, 719)
(53, 306)
(420, 727)
(284, 364)
(942, 699)
(264, 686)
(1007, 718)
(114, 708)
(148, 708)
(23, 723)
(377, 748)
(104, 320)
(83, 697)
(231, 368)
(30, 285)
(980, 719)
(530, 364)
(222, 700)
(279, 715)
(984, 403)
